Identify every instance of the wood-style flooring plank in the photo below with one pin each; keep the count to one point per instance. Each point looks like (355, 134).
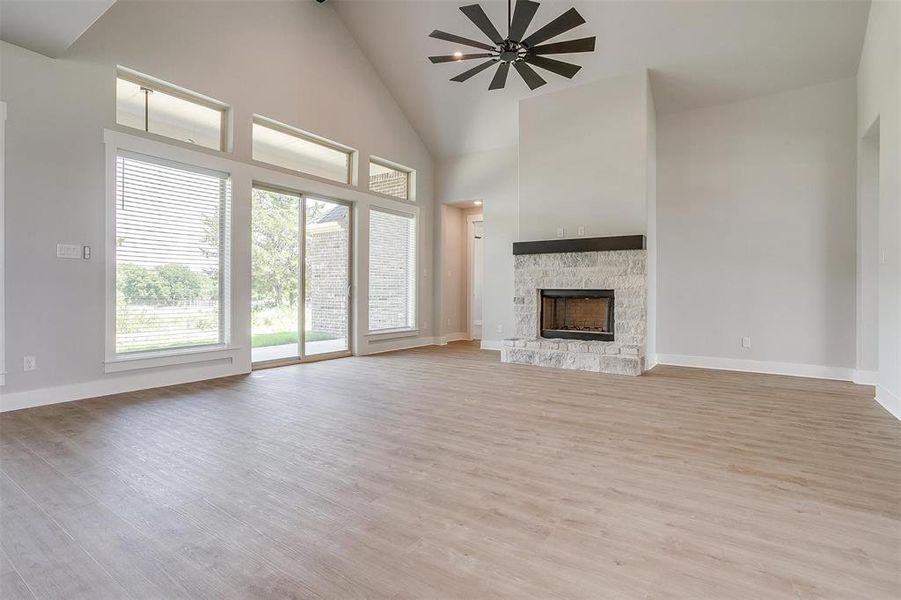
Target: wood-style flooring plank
(442, 473)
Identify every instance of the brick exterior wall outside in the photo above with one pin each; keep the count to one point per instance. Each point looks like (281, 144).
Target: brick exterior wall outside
(327, 253)
(391, 271)
(393, 184)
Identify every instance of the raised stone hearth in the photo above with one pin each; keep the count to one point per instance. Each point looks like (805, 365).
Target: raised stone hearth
(600, 357)
(623, 271)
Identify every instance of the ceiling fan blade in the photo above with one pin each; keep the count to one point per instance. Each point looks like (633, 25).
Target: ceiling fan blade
(561, 24)
(481, 20)
(580, 45)
(455, 58)
(528, 74)
(522, 16)
(554, 66)
(500, 76)
(450, 37)
(474, 71)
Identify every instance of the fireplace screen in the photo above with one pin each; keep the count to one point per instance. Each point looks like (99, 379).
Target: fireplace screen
(577, 314)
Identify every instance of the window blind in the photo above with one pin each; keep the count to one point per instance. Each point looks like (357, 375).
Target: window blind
(392, 270)
(292, 150)
(171, 269)
(148, 107)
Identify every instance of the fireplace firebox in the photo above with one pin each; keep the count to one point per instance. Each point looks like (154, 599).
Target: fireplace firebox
(577, 314)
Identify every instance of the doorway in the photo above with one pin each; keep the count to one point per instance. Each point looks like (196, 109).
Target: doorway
(461, 265)
(300, 277)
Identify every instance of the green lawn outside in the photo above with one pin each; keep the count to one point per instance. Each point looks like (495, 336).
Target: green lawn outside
(260, 340)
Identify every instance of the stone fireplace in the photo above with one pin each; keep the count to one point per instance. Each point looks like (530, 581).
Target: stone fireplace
(580, 304)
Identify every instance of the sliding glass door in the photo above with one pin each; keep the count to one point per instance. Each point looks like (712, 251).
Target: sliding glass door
(300, 286)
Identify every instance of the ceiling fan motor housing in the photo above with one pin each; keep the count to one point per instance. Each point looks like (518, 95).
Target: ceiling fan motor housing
(510, 51)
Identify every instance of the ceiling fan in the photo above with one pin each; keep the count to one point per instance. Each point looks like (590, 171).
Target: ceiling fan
(517, 49)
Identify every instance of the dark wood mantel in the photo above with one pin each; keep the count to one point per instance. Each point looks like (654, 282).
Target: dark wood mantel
(593, 244)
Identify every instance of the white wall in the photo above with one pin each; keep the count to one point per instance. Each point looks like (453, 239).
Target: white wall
(490, 177)
(3, 366)
(651, 210)
(879, 97)
(583, 159)
(293, 62)
(755, 224)
(453, 270)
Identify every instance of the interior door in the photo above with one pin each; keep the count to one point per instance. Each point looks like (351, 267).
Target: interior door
(475, 325)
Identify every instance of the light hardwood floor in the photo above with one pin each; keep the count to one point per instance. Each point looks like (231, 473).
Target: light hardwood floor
(441, 473)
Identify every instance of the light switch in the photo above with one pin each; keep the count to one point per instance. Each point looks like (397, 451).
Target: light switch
(68, 251)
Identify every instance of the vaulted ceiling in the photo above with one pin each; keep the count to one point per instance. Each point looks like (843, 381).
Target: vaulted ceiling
(48, 26)
(699, 53)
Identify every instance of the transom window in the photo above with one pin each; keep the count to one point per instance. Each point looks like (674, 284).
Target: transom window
(171, 259)
(156, 107)
(297, 150)
(390, 179)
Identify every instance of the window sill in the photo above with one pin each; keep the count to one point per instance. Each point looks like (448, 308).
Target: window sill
(405, 201)
(390, 334)
(166, 359)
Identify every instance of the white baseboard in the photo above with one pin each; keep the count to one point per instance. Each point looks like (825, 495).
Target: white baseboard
(119, 384)
(865, 377)
(650, 361)
(757, 366)
(456, 337)
(492, 345)
(889, 401)
(403, 343)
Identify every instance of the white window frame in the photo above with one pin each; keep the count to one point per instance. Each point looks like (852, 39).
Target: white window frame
(116, 143)
(404, 210)
(352, 153)
(411, 179)
(159, 85)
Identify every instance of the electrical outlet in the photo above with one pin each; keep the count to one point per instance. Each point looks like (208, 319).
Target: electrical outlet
(745, 342)
(29, 363)
(581, 230)
(448, 322)
(500, 328)
(561, 232)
